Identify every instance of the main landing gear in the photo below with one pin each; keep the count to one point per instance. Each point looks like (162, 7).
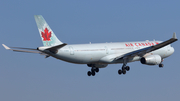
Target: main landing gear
(124, 67)
(123, 70)
(93, 71)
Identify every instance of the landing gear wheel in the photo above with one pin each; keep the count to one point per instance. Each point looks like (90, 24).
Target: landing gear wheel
(161, 65)
(127, 68)
(93, 73)
(92, 69)
(89, 73)
(124, 71)
(119, 72)
(97, 70)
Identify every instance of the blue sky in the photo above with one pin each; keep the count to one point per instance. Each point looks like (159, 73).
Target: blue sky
(31, 77)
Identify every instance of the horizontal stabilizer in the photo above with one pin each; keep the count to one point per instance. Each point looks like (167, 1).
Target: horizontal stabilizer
(6, 47)
(19, 49)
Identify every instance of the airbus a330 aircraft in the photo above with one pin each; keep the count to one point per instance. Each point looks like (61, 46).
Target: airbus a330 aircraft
(99, 55)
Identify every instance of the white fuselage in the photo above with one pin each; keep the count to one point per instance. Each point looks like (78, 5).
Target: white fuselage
(102, 53)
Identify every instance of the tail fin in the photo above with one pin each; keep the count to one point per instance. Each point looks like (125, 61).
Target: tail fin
(47, 35)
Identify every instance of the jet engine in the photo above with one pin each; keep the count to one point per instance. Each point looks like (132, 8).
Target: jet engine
(97, 65)
(151, 60)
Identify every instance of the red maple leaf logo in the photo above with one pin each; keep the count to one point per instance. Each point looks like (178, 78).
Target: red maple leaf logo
(46, 35)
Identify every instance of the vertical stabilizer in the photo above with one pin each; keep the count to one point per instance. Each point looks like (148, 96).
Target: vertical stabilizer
(47, 35)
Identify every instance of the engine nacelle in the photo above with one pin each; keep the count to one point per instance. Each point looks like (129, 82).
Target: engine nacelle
(151, 60)
(97, 65)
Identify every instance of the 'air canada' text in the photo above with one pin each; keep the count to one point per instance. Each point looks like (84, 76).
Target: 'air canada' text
(141, 44)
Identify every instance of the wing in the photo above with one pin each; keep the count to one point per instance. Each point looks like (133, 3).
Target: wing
(143, 51)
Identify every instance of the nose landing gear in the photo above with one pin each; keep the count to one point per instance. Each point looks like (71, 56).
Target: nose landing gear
(161, 65)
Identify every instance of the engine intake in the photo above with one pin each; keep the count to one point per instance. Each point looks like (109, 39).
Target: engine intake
(151, 60)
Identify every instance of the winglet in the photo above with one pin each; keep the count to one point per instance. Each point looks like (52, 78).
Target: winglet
(6, 47)
(174, 35)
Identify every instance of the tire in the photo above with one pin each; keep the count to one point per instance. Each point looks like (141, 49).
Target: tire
(97, 70)
(89, 73)
(161, 65)
(124, 71)
(93, 73)
(92, 69)
(127, 68)
(119, 72)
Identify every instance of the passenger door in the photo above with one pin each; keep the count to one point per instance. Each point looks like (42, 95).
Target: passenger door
(71, 50)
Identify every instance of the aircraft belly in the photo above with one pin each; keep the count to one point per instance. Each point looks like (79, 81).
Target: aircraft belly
(88, 57)
(80, 57)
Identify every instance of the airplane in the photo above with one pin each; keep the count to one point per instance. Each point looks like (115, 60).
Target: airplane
(99, 55)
